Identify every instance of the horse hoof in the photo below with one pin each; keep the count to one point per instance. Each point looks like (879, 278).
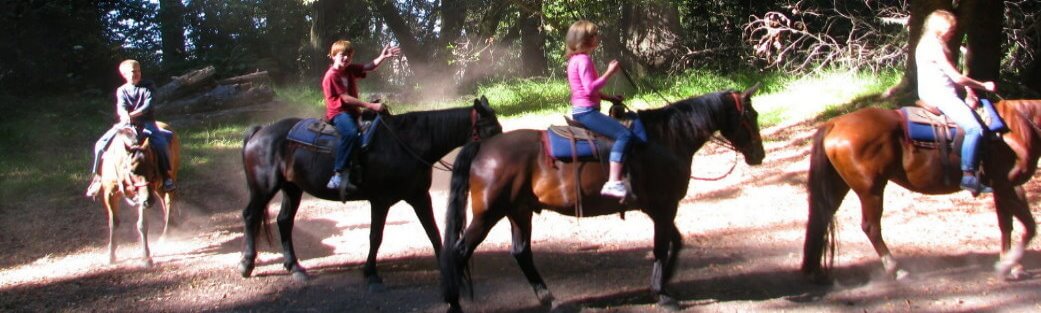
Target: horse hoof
(902, 275)
(377, 287)
(300, 276)
(668, 303)
(246, 269)
(545, 297)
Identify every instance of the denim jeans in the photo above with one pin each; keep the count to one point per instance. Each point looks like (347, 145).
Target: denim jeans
(159, 139)
(954, 108)
(607, 126)
(347, 126)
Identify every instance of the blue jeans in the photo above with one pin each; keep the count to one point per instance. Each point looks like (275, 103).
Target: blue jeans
(954, 108)
(607, 126)
(159, 139)
(347, 126)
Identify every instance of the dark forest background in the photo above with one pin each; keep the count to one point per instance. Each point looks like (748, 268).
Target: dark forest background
(73, 46)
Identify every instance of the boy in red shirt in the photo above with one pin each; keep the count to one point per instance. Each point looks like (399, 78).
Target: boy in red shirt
(342, 106)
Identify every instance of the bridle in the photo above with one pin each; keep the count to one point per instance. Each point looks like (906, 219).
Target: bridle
(742, 113)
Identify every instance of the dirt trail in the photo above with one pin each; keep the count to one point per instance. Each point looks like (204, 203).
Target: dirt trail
(743, 238)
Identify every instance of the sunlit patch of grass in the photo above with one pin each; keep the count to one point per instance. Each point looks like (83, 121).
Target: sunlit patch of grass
(802, 98)
(527, 96)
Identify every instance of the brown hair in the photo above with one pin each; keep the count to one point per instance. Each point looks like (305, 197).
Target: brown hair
(580, 37)
(341, 46)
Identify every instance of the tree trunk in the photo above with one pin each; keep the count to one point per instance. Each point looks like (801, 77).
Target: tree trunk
(981, 21)
(533, 40)
(651, 32)
(171, 29)
(416, 52)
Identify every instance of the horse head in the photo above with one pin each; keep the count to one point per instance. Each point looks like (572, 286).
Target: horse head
(743, 132)
(138, 165)
(485, 123)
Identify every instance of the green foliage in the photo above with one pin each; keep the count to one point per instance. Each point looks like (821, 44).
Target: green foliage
(527, 96)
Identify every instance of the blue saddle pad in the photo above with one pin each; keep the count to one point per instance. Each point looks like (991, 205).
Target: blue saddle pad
(925, 132)
(322, 137)
(559, 147)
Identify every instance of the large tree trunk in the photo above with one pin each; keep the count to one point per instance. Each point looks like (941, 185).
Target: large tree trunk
(651, 32)
(171, 29)
(533, 40)
(410, 45)
(981, 21)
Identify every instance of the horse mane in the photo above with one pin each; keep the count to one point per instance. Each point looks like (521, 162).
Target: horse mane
(434, 126)
(691, 120)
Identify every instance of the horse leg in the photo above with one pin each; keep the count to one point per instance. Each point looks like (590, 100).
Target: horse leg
(377, 224)
(142, 230)
(520, 223)
(464, 248)
(286, 217)
(667, 245)
(871, 224)
(168, 218)
(111, 203)
(253, 217)
(425, 213)
(1009, 203)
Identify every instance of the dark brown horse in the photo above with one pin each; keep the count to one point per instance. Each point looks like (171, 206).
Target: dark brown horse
(866, 149)
(130, 170)
(397, 166)
(511, 176)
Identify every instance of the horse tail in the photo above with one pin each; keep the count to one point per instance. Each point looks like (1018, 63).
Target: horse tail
(265, 226)
(826, 190)
(249, 134)
(453, 271)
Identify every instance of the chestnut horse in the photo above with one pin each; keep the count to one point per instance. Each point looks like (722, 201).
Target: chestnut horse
(130, 169)
(864, 150)
(397, 166)
(512, 176)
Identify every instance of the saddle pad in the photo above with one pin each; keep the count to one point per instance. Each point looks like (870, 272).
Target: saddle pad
(585, 149)
(322, 137)
(924, 131)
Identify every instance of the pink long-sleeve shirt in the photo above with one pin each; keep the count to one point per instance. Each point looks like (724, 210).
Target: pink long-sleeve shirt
(585, 82)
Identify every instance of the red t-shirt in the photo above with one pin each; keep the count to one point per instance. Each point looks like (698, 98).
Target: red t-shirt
(337, 82)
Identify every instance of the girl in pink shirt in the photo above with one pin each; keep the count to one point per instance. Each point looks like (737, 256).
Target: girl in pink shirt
(583, 38)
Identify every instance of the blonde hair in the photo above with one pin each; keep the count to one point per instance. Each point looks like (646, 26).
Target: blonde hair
(129, 63)
(341, 46)
(938, 21)
(580, 37)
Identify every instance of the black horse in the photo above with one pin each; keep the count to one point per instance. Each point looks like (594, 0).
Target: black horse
(397, 166)
(512, 176)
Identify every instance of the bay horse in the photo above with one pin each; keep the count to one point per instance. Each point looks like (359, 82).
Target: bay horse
(130, 170)
(512, 176)
(864, 150)
(397, 166)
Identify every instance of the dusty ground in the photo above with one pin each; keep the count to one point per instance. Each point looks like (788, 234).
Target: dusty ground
(743, 238)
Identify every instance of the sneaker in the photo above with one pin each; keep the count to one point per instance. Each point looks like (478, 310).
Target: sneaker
(334, 182)
(168, 184)
(973, 185)
(615, 189)
(94, 187)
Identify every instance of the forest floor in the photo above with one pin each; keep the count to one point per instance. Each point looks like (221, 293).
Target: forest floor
(743, 239)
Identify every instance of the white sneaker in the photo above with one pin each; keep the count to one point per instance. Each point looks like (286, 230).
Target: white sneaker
(615, 189)
(334, 182)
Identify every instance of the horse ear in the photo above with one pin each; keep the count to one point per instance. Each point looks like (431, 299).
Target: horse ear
(751, 90)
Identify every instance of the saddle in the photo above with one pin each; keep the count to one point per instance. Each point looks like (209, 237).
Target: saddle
(321, 137)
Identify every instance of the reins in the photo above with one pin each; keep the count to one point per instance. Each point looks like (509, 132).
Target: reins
(446, 166)
(715, 138)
